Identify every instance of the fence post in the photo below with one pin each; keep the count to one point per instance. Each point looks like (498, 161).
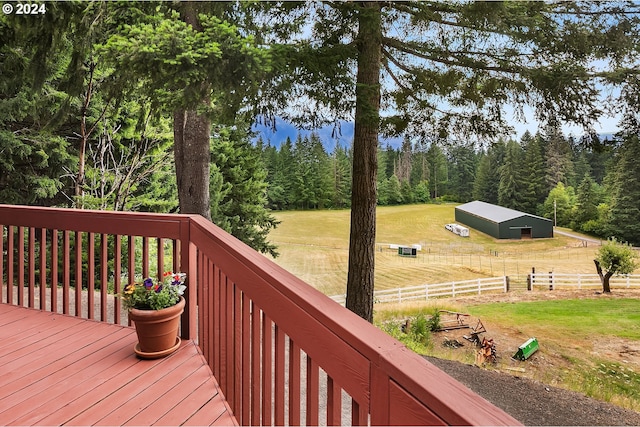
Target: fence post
(579, 281)
(628, 283)
(426, 292)
(479, 288)
(399, 294)
(188, 264)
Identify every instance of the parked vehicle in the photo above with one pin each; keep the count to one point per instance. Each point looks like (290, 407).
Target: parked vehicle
(458, 229)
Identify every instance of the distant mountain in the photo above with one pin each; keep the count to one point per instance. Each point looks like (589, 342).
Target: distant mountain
(329, 135)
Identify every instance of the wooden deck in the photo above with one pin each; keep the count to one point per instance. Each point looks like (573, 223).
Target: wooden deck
(62, 370)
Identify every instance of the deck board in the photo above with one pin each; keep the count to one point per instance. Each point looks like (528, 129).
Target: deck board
(62, 370)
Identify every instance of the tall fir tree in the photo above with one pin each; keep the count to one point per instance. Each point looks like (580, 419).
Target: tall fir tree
(625, 200)
(587, 201)
(463, 160)
(511, 188)
(488, 173)
(534, 172)
(238, 189)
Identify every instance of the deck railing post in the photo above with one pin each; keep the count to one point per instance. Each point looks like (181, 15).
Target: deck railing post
(379, 397)
(188, 264)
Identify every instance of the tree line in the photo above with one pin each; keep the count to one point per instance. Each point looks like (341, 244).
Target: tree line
(587, 184)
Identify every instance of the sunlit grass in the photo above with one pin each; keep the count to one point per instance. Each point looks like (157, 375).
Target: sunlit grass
(314, 246)
(557, 319)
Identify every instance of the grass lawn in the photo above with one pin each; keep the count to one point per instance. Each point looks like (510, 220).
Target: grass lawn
(590, 319)
(589, 345)
(314, 246)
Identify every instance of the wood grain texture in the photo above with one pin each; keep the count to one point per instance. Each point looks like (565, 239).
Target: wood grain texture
(63, 370)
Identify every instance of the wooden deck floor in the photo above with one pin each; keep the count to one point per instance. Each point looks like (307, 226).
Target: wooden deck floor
(62, 370)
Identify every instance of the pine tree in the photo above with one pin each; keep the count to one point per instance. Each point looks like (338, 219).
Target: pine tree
(559, 158)
(534, 172)
(625, 200)
(238, 189)
(512, 186)
(341, 167)
(587, 202)
(464, 163)
(488, 175)
(197, 65)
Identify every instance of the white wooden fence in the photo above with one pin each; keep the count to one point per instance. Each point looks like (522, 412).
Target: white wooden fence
(424, 292)
(555, 280)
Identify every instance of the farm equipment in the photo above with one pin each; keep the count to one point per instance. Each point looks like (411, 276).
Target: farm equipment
(527, 349)
(475, 333)
(453, 320)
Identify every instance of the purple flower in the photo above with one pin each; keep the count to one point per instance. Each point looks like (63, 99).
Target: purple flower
(148, 283)
(158, 289)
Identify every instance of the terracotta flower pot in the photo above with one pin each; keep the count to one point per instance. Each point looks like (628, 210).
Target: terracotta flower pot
(157, 330)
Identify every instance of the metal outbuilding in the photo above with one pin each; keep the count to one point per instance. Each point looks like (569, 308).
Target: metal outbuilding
(503, 223)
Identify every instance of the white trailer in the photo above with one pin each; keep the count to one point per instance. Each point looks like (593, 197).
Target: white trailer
(460, 230)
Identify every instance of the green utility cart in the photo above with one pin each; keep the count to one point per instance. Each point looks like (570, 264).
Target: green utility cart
(527, 349)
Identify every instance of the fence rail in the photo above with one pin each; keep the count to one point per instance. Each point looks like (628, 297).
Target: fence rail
(436, 290)
(553, 280)
(282, 352)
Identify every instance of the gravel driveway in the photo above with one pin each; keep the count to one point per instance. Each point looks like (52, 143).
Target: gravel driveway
(535, 404)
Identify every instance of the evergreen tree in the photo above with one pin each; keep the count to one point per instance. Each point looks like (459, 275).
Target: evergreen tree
(488, 174)
(391, 193)
(321, 172)
(587, 202)
(482, 184)
(280, 192)
(341, 167)
(512, 186)
(439, 171)
(463, 161)
(559, 158)
(390, 162)
(197, 65)
(534, 172)
(625, 200)
(238, 189)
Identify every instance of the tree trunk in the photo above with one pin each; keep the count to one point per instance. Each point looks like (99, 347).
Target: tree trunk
(191, 133)
(192, 154)
(360, 279)
(604, 277)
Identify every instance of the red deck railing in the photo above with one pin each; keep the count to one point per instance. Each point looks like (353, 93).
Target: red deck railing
(283, 353)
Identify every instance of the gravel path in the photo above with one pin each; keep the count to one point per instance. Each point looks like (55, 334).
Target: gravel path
(535, 404)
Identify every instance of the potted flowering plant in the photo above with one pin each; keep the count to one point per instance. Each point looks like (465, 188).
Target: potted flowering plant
(150, 295)
(155, 308)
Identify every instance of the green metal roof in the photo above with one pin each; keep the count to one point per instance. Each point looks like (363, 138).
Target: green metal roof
(494, 213)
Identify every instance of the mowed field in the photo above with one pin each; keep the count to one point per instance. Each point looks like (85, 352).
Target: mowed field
(314, 246)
